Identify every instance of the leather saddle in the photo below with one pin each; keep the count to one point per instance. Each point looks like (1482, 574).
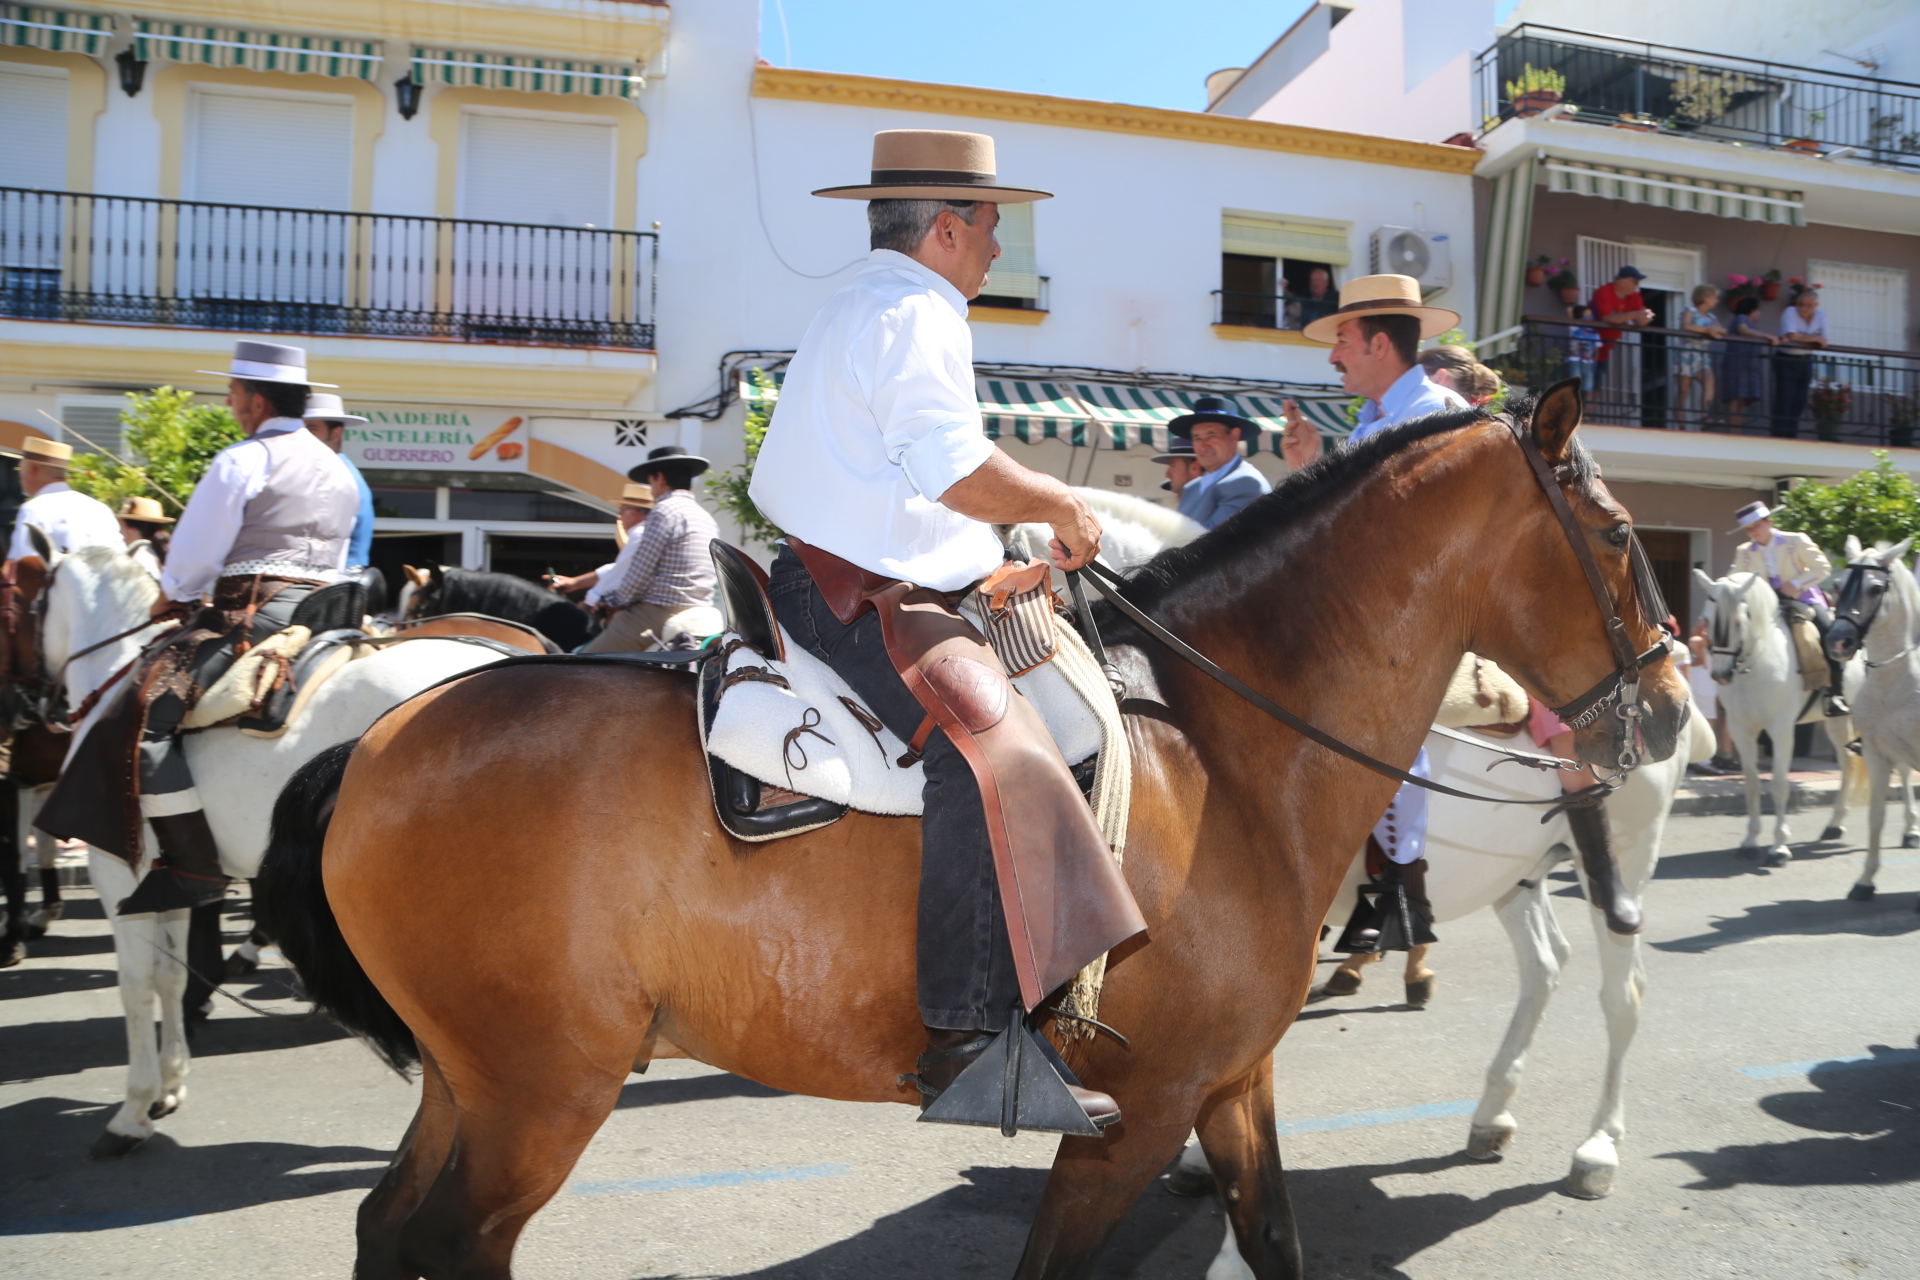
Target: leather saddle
(748, 808)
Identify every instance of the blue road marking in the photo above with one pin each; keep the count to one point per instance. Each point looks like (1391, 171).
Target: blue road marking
(709, 1181)
(62, 1223)
(1364, 1119)
(1846, 1062)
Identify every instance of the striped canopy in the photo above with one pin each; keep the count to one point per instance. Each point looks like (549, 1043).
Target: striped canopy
(55, 30)
(1677, 191)
(207, 46)
(527, 74)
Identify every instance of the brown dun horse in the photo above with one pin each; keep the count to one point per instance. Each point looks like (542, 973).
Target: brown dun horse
(479, 822)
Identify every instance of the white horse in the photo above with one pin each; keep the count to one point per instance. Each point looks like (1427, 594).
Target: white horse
(1499, 856)
(97, 593)
(1753, 655)
(1886, 618)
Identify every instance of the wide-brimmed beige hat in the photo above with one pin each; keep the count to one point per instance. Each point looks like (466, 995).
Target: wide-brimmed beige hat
(145, 510)
(637, 495)
(934, 164)
(1382, 296)
(39, 449)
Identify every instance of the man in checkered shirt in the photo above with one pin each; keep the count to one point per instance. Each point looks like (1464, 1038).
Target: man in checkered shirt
(663, 597)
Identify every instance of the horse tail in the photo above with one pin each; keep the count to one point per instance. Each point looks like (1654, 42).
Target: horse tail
(290, 901)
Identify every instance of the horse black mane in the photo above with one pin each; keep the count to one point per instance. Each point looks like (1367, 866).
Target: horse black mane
(1337, 470)
(499, 595)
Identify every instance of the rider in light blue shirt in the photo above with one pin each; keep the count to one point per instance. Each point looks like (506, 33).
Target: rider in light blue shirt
(1229, 482)
(328, 418)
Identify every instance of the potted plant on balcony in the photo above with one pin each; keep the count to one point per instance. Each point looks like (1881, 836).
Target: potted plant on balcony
(1535, 90)
(1537, 271)
(1814, 120)
(1797, 285)
(1740, 287)
(1770, 285)
(1829, 403)
(1565, 283)
(1702, 96)
(1637, 123)
(1902, 411)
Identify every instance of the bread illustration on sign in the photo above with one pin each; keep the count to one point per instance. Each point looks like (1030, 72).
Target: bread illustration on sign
(493, 438)
(509, 451)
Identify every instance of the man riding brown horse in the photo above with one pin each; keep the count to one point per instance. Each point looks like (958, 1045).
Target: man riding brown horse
(265, 532)
(879, 468)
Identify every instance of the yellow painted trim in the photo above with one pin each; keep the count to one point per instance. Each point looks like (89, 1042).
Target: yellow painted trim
(1075, 113)
(171, 85)
(1006, 315)
(439, 375)
(1254, 333)
(576, 471)
(86, 98)
(631, 32)
(629, 138)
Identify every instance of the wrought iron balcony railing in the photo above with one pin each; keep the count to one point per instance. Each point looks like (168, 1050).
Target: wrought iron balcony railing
(1269, 310)
(126, 260)
(1677, 381)
(1711, 96)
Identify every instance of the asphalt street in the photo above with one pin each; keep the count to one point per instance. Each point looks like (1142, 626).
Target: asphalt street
(1773, 1124)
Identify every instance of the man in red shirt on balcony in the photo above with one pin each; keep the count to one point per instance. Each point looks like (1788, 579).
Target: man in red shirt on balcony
(1618, 305)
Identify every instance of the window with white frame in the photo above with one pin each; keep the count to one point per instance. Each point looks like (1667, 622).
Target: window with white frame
(1866, 306)
(1279, 271)
(1014, 278)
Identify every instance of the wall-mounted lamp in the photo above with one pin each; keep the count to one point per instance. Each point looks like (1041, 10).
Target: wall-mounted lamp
(406, 91)
(133, 71)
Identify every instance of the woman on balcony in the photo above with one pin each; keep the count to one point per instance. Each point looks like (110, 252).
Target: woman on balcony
(1693, 357)
(1803, 330)
(1743, 368)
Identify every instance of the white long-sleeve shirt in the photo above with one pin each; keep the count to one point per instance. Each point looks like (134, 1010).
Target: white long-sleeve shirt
(877, 418)
(70, 520)
(216, 513)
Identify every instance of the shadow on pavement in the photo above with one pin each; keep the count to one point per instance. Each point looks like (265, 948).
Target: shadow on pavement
(1350, 1228)
(1871, 1108)
(25, 984)
(1888, 916)
(1725, 864)
(52, 1187)
(661, 1093)
(40, 1050)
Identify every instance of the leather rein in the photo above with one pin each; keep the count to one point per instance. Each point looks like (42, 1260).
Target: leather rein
(1620, 690)
(49, 688)
(1848, 608)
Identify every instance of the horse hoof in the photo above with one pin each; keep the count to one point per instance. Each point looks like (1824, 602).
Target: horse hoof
(164, 1107)
(1487, 1142)
(1590, 1182)
(1419, 993)
(114, 1146)
(1344, 982)
(12, 954)
(1779, 857)
(1911, 840)
(1860, 893)
(238, 966)
(1833, 833)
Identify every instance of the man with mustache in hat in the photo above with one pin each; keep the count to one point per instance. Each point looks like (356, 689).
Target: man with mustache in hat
(662, 597)
(878, 466)
(266, 528)
(69, 519)
(1227, 481)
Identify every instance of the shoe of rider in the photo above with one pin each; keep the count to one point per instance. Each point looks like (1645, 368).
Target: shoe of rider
(188, 872)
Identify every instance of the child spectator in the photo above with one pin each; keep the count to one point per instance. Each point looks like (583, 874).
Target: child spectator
(1583, 349)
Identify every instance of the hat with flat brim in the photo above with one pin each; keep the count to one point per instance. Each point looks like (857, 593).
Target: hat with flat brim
(328, 408)
(668, 457)
(636, 495)
(145, 510)
(1751, 514)
(49, 453)
(1210, 409)
(1178, 450)
(1382, 296)
(268, 362)
(933, 164)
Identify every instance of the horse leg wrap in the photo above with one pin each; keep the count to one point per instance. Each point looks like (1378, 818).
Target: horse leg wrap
(1593, 837)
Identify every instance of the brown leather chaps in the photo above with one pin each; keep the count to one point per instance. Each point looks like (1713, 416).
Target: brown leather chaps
(1065, 899)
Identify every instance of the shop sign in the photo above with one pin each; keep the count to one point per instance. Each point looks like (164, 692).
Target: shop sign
(426, 438)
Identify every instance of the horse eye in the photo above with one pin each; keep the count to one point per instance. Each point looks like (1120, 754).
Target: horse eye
(1619, 534)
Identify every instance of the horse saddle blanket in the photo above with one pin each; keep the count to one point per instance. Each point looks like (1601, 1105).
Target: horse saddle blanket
(266, 689)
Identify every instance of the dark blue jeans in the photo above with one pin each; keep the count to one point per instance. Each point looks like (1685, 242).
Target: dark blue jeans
(1792, 380)
(966, 976)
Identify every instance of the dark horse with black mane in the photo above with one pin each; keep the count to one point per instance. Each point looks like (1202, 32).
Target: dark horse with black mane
(1348, 595)
(438, 589)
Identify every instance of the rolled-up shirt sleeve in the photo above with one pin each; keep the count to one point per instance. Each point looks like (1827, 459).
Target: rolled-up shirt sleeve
(923, 396)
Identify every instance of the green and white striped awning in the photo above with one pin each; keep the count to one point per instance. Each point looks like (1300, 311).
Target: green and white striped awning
(251, 50)
(55, 30)
(1114, 416)
(460, 67)
(1676, 191)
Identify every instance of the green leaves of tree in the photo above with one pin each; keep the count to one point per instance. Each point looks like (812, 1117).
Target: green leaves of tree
(1880, 504)
(168, 437)
(729, 488)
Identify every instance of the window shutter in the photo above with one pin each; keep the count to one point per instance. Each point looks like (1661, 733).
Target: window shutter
(1274, 235)
(1865, 306)
(33, 146)
(1016, 272)
(552, 173)
(293, 154)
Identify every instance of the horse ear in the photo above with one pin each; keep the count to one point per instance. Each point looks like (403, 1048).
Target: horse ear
(1854, 550)
(41, 547)
(437, 574)
(418, 577)
(1892, 554)
(1555, 418)
(1701, 580)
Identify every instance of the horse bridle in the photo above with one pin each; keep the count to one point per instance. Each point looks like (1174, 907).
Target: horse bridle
(1619, 690)
(47, 690)
(1848, 607)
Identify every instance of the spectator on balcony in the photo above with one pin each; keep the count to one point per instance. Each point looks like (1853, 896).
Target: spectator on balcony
(1618, 305)
(1583, 349)
(1693, 357)
(1803, 331)
(1319, 300)
(1228, 482)
(1743, 369)
(69, 519)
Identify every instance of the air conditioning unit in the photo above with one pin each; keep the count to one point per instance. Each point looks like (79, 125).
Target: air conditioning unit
(1425, 256)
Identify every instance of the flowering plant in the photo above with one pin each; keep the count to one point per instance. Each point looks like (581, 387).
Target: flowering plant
(1739, 287)
(1563, 277)
(1829, 401)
